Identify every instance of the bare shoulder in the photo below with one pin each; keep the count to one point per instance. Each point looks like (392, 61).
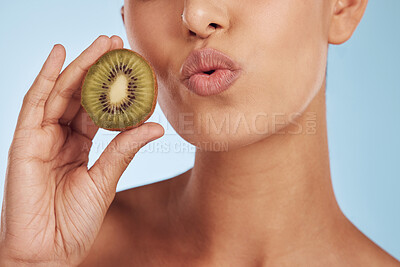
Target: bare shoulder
(376, 256)
(364, 252)
(130, 214)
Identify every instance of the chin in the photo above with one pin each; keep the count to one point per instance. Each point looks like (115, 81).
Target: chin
(224, 131)
(221, 142)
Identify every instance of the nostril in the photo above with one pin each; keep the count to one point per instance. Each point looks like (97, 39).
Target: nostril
(214, 25)
(192, 33)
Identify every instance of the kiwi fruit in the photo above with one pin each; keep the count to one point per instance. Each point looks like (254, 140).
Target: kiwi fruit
(119, 91)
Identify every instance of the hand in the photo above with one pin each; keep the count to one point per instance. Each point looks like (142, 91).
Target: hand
(53, 205)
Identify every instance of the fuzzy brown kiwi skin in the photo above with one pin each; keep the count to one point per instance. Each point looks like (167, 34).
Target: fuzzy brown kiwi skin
(154, 100)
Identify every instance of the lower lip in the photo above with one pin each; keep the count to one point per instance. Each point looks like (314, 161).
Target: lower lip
(211, 84)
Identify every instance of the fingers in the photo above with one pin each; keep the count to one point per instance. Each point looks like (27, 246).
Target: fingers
(71, 78)
(116, 157)
(75, 102)
(32, 110)
(116, 42)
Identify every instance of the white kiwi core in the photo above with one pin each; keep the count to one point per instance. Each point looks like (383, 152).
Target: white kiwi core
(118, 89)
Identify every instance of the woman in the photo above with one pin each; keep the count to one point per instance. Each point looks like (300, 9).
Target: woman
(244, 81)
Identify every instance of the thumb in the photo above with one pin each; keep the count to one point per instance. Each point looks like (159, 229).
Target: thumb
(107, 170)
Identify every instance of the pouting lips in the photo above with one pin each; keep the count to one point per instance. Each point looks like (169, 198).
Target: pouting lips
(208, 71)
(206, 61)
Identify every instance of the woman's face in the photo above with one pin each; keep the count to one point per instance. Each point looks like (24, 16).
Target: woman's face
(279, 45)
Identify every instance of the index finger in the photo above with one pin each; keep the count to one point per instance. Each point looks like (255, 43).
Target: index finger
(71, 78)
(31, 114)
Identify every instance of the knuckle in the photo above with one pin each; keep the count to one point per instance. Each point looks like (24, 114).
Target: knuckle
(80, 65)
(35, 98)
(48, 78)
(127, 158)
(66, 93)
(125, 152)
(76, 95)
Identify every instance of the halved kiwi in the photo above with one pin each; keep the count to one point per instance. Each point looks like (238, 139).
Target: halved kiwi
(120, 90)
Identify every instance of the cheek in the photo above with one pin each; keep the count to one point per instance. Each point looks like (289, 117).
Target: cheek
(153, 29)
(288, 54)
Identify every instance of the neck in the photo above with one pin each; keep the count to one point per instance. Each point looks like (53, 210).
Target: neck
(272, 195)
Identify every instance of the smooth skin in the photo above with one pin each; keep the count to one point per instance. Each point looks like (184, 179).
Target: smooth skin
(266, 200)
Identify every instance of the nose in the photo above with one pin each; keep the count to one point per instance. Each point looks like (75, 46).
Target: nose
(204, 17)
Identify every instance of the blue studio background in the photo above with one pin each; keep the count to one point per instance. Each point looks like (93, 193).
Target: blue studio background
(363, 103)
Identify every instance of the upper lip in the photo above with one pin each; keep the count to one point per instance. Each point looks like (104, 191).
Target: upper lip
(206, 59)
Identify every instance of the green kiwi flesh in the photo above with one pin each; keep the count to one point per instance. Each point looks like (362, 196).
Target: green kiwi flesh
(119, 91)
